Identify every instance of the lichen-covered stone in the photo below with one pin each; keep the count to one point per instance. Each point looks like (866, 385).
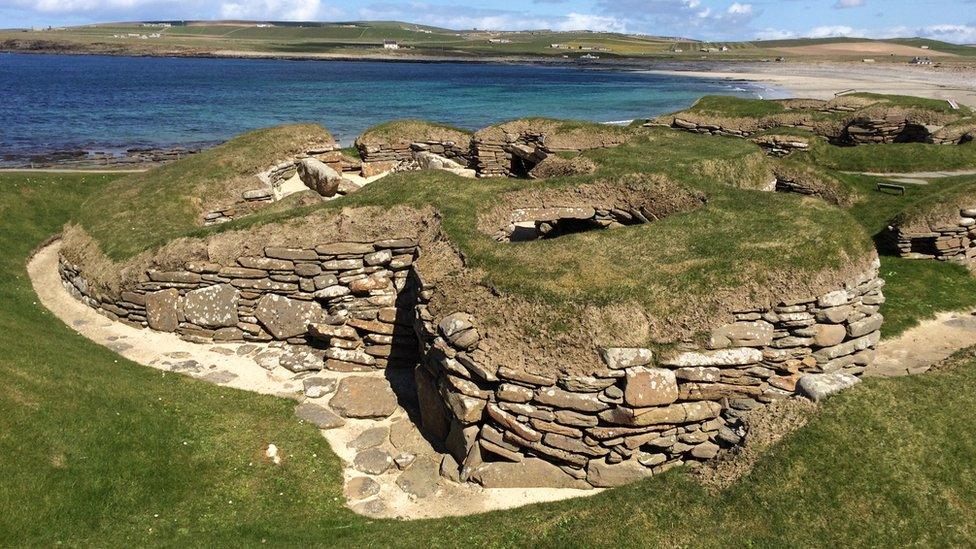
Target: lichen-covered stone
(650, 387)
(212, 307)
(284, 317)
(161, 310)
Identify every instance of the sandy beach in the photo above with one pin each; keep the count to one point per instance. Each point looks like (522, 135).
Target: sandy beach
(825, 80)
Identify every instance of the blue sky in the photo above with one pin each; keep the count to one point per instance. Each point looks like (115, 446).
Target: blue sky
(951, 20)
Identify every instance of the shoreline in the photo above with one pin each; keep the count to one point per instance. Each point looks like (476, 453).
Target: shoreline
(827, 80)
(823, 80)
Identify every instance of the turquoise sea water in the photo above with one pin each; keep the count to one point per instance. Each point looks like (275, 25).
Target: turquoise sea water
(56, 103)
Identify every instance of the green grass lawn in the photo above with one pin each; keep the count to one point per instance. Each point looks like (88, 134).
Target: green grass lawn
(894, 158)
(100, 451)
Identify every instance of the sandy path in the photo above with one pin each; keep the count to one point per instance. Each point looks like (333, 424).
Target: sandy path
(920, 348)
(824, 80)
(235, 365)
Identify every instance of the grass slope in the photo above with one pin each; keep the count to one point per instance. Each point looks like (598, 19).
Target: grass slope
(100, 451)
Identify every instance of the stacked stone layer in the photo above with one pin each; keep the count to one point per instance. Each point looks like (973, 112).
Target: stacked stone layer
(339, 303)
(856, 132)
(637, 412)
(955, 243)
(382, 157)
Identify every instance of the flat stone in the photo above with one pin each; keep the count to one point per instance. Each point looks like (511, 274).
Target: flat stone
(161, 310)
(619, 358)
(298, 359)
(317, 387)
(746, 334)
(865, 326)
(420, 479)
(601, 474)
(364, 397)
(829, 335)
(284, 317)
(528, 473)
(817, 387)
(370, 438)
(581, 402)
(373, 461)
(362, 488)
(319, 416)
(705, 450)
(723, 357)
(682, 412)
(212, 307)
(650, 387)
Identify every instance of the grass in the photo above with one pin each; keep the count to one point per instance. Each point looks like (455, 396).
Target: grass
(894, 158)
(735, 107)
(365, 38)
(156, 206)
(99, 451)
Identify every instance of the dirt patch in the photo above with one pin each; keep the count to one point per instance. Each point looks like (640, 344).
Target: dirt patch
(765, 427)
(556, 166)
(862, 48)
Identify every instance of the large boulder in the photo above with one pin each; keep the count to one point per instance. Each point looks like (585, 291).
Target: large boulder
(161, 310)
(284, 317)
(212, 307)
(319, 177)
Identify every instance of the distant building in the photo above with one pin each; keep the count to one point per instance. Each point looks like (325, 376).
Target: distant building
(868, 60)
(920, 61)
(391, 45)
(499, 41)
(724, 48)
(589, 56)
(925, 47)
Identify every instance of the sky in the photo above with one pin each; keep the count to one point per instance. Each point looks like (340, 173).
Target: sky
(949, 20)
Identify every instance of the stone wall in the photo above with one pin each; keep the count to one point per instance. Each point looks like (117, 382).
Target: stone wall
(382, 157)
(637, 412)
(344, 306)
(956, 242)
(858, 131)
(513, 156)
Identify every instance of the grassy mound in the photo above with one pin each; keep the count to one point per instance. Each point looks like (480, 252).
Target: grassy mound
(895, 158)
(101, 451)
(411, 131)
(941, 208)
(151, 208)
(560, 135)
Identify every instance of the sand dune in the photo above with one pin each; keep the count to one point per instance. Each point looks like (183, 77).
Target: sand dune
(862, 48)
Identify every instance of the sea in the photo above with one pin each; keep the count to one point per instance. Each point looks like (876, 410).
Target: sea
(108, 104)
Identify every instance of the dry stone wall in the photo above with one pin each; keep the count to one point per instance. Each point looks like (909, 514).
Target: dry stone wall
(858, 131)
(956, 242)
(343, 306)
(638, 412)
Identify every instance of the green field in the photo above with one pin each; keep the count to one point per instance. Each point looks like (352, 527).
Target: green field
(99, 451)
(365, 39)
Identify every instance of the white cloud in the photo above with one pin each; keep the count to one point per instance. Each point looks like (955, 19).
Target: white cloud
(844, 4)
(586, 21)
(960, 34)
(290, 10)
(285, 10)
